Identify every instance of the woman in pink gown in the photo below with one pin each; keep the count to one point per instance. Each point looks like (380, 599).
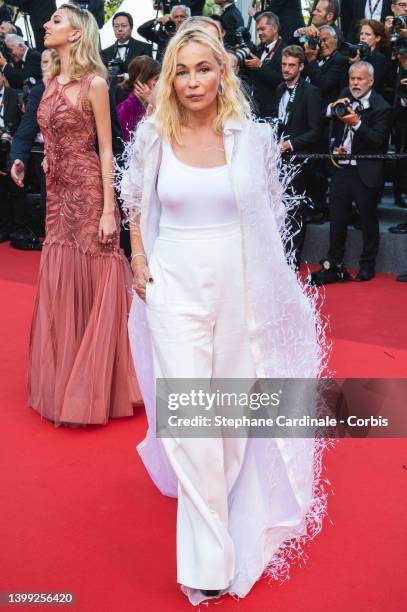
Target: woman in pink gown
(80, 369)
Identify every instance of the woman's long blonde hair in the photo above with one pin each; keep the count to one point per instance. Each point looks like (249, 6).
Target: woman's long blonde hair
(84, 52)
(170, 115)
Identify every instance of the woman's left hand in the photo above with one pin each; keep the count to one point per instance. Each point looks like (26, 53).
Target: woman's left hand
(142, 91)
(107, 227)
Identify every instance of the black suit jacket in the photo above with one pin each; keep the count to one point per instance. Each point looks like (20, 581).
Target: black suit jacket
(265, 80)
(32, 68)
(5, 14)
(290, 15)
(24, 138)
(97, 8)
(303, 128)
(372, 137)
(12, 114)
(135, 49)
(231, 18)
(39, 10)
(330, 78)
(354, 10)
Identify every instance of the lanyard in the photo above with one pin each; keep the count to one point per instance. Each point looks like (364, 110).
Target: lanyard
(373, 10)
(289, 104)
(273, 51)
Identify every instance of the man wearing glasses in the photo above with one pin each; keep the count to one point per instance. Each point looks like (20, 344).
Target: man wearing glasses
(126, 47)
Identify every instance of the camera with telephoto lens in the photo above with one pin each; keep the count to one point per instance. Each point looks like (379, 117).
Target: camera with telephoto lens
(399, 23)
(341, 109)
(313, 42)
(115, 68)
(349, 50)
(242, 44)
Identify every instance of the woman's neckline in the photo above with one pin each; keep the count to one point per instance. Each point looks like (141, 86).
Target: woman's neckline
(207, 168)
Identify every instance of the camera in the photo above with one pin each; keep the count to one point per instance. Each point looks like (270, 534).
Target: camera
(399, 23)
(340, 109)
(243, 45)
(170, 27)
(349, 50)
(115, 69)
(5, 146)
(313, 42)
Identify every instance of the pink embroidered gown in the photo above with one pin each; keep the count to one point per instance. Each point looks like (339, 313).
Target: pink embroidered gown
(80, 367)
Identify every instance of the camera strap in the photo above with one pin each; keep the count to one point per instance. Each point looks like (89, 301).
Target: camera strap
(273, 51)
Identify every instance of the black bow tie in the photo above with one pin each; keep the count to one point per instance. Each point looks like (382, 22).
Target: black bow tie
(124, 45)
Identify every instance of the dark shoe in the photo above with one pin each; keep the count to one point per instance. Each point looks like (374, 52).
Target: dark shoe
(4, 236)
(402, 278)
(210, 593)
(364, 274)
(329, 273)
(401, 228)
(25, 242)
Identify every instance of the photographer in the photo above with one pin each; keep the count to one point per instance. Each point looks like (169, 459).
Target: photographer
(396, 24)
(289, 13)
(117, 57)
(264, 66)
(326, 12)
(299, 114)
(9, 120)
(373, 36)
(18, 63)
(361, 125)
(326, 68)
(161, 30)
(40, 12)
(232, 19)
(96, 7)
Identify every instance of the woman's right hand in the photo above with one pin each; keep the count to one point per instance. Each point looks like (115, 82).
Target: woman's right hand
(142, 276)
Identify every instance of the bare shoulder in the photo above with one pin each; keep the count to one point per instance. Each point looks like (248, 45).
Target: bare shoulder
(98, 84)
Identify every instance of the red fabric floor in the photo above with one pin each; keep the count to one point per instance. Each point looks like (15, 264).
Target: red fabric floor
(79, 513)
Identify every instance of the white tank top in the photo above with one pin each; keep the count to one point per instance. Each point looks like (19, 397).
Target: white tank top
(194, 197)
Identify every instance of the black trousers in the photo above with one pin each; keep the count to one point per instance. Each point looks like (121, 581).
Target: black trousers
(347, 187)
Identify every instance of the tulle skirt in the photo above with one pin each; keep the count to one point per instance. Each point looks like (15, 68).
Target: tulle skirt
(80, 367)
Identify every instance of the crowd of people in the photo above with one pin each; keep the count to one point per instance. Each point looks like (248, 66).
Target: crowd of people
(337, 85)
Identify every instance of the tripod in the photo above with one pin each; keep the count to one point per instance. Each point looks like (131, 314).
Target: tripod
(27, 26)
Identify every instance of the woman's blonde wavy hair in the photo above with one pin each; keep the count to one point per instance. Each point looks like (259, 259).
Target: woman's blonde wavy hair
(84, 52)
(170, 115)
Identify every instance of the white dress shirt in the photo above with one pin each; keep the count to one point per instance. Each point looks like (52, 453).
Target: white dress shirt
(267, 49)
(2, 107)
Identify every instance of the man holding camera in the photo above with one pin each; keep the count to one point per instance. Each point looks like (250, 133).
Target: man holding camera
(264, 67)
(161, 30)
(325, 12)
(21, 63)
(40, 12)
(361, 125)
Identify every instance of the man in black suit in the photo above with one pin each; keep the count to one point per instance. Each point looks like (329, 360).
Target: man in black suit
(264, 67)
(9, 120)
(25, 63)
(231, 18)
(289, 13)
(39, 12)
(326, 68)
(363, 130)
(126, 47)
(299, 117)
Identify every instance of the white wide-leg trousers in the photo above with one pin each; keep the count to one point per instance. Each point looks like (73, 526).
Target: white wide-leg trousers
(196, 309)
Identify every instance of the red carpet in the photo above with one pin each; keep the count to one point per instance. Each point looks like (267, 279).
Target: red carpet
(79, 513)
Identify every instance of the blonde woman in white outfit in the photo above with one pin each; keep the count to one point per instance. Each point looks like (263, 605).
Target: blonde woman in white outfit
(217, 299)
